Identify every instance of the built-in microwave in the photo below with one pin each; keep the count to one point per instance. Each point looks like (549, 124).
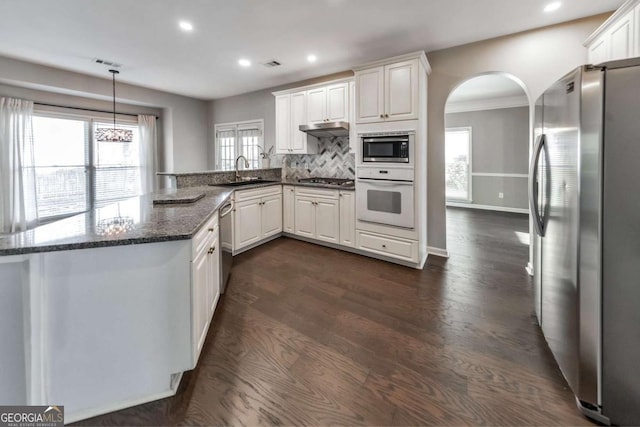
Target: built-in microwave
(386, 147)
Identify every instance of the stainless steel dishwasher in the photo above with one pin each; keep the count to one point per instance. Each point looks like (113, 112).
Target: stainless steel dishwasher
(226, 237)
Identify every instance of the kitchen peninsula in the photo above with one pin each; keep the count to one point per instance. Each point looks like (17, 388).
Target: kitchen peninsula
(107, 307)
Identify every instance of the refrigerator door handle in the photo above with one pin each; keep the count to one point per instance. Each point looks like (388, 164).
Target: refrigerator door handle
(533, 185)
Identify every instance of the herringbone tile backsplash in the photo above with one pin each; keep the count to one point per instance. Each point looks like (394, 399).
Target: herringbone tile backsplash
(332, 161)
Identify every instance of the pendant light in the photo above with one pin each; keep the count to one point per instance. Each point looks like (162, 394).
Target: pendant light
(114, 134)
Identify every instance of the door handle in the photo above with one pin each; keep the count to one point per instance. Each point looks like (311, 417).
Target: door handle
(533, 185)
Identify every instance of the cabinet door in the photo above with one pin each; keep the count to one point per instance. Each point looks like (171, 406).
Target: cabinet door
(213, 290)
(347, 218)
(327, 220)
(636, 31)
(200, 272)
(283, 124)
(599, 50)
(298, 117)
(621, 38)
(317, 105)
(248, 223)
(338, 102)
(288, 209)
(370, 95)
(401, 90)
(305, 217)
(271, 215)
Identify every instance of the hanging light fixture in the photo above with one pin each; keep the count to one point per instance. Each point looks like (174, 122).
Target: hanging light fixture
(114, 134)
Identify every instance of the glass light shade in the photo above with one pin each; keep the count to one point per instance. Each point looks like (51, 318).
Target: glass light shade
(114, 135)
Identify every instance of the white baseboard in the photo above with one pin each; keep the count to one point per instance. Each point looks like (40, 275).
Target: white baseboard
(438, 252)
(488, 207)
(529, 269)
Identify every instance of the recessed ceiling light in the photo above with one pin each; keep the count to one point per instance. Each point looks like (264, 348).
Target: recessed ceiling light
(244, 63)
(185, 26)
(312, 58)
(552, 6)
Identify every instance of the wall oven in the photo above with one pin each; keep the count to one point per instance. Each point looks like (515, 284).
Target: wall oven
(389, 147)
(385, 196)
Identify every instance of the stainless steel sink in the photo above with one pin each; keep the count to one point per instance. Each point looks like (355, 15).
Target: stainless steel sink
(244, 182)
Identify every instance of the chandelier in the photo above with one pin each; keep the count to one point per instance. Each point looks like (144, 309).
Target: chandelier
(114, 134)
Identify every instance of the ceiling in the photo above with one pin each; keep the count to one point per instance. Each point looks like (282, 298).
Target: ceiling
(490, 86)
(144, 37)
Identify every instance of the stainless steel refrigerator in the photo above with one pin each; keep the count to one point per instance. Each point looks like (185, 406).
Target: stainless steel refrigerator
(584, 198)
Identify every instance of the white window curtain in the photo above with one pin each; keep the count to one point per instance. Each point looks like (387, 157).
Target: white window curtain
(148, 153)
(18, 206)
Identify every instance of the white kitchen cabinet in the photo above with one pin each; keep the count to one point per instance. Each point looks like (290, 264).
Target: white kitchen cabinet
(353, 133)
(248, 227)
(328, 103)
(271, 216)
(621, 37)
(347, 218)
(327, 220)
(291, 112)
(317, 214)
(388, 92)
(205, 283)
(298, 144)
(283, 124)
(288, 209)
(257, 215)
(618, 37)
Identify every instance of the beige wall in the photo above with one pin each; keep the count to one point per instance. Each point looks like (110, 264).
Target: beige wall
(538, 58)
(184, 124)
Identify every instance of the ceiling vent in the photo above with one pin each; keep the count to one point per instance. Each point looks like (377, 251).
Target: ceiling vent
(272, 63)
(107, 63)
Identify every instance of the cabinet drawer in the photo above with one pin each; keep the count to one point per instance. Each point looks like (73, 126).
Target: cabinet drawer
(388, 246)
(205, 235)
(241, 195)
(317, 192)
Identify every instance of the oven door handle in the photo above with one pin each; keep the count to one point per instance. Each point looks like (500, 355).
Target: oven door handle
(385, 183)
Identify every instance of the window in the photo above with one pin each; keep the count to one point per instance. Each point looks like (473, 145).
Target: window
(234, 139)
(458, 164)
(75, 172)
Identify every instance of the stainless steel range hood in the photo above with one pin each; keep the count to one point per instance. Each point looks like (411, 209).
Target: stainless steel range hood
(328, 129)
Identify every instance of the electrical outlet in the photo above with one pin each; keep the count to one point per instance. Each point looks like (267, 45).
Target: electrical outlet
(501, 195)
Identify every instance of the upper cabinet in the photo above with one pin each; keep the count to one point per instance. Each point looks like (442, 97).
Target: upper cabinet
(320, 103)
(328, 103)
(389, 91)
(618, 37)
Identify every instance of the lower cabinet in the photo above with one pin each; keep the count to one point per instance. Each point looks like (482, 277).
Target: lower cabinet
(288, 208)
(347, 218)
(257, 215)
(392, 247)
(205, 283)
(317, 214)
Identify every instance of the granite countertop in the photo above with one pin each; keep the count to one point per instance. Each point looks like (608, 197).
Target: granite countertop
(138, 218)
(287, 182)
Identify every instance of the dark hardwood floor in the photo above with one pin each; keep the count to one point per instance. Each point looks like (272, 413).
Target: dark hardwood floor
(307, 335)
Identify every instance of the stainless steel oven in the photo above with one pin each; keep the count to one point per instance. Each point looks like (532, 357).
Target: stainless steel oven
(388, 147)
(385, 196)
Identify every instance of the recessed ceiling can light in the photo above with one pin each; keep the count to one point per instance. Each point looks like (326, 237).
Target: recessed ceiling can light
(185, 26)
(552, 6)
(244, 62)
(312, 58)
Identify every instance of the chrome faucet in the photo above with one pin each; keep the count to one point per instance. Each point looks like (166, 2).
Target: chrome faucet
(246, 165)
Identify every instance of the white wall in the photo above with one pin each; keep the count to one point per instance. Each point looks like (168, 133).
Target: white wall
(538, 58)
(184, 120)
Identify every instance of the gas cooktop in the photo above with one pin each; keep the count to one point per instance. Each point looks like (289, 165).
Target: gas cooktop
(341, 182)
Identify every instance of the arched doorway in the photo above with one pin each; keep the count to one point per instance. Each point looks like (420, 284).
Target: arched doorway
(487, 141)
